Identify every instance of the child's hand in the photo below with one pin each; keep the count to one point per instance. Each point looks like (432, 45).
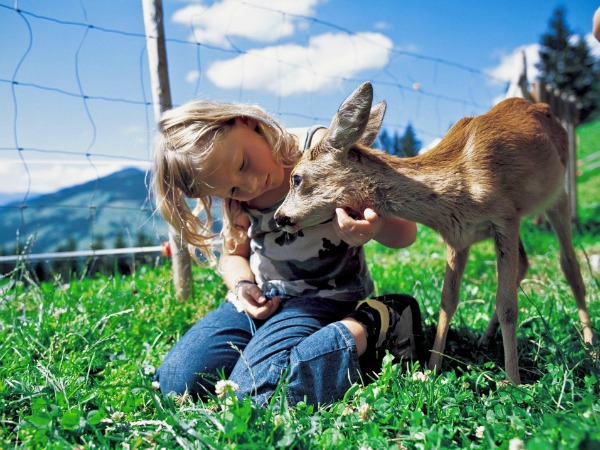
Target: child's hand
(356, 232)
(255, 303)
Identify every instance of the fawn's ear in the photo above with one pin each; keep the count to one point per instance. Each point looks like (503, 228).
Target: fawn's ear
(350, 121)
(374, 124)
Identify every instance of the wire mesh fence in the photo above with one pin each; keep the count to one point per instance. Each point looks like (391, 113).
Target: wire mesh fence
(77, 124)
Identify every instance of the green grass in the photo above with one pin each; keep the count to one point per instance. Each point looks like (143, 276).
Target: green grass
(588, 185)
(77, 359)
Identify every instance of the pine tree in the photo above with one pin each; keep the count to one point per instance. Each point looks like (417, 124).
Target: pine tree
(120, 240)
(142, 240)
(410, 145)
(567, 64)
(384, 141)
(402, 146)
(98, 243)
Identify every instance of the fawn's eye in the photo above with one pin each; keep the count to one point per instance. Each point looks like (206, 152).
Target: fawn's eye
(296, 180)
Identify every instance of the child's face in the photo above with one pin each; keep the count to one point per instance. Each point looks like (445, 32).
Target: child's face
(245, 168)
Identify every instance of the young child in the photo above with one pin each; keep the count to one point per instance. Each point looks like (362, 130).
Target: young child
(292, 302)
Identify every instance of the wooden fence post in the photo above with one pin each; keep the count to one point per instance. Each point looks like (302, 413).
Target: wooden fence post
(161, 96)
(565, 109)
(571, 120)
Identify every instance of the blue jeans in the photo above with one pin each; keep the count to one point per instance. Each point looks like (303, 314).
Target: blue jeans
(302, 341)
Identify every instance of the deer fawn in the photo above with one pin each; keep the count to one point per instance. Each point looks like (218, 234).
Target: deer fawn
(478, 182)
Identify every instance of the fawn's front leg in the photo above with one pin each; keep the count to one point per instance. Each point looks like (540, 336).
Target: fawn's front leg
(455, 267)
(507, 257)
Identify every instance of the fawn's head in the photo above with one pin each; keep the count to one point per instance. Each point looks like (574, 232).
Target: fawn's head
(326, 177)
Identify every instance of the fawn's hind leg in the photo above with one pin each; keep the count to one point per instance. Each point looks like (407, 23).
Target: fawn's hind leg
(559, 217)
(493, 324)
(506, 240)
(455, 267)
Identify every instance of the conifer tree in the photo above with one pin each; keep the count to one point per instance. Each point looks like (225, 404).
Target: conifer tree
(403, 146)
(567, 64)
(410, 144)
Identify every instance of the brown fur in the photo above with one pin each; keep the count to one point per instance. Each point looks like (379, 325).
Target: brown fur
(485, 174)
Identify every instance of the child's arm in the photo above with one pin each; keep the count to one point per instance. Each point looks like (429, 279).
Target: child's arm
(234, 266)
(391, 231)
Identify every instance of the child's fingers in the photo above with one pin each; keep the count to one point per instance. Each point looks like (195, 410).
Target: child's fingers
(370, 215)
(252, 293)
(346, 222)
(264, 311)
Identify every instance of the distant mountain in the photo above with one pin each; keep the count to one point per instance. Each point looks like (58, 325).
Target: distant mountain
(99, 209)
(6, 199)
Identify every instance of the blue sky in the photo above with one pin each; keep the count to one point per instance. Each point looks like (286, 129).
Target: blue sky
(74, 75)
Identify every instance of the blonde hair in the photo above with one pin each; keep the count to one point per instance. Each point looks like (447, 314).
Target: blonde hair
(187, 137)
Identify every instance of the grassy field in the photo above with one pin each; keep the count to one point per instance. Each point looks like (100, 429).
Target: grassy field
(77, 359)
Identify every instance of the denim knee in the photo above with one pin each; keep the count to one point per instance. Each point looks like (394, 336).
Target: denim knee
(206, 353)
(318, 370)
(323, 366)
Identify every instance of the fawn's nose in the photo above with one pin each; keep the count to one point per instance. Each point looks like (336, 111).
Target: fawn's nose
(283, 221)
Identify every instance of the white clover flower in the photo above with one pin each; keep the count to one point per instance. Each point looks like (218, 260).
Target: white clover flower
(420, 376)
(156, 385)
(149, 369)
(58, 312)
(278, 420)
(365, 447)
(479, 432)
(117, 416)
(225, 386)
(516, 444)
(348, 410)
(364, 411)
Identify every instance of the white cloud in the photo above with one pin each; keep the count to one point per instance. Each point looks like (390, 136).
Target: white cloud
(45, 176)
(192, 76)
(257, 20)
(511, 65)
(593, 44)
(295, 69)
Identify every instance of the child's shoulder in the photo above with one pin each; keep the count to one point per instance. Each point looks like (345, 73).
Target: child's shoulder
(304, 135)
(300, 134)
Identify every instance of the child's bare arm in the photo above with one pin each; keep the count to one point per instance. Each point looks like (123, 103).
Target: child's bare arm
(234, 266)
(390, 231)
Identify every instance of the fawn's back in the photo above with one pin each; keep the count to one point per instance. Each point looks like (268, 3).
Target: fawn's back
(512, 158)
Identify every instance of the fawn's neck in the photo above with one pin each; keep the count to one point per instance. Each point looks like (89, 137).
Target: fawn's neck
(422, 190)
